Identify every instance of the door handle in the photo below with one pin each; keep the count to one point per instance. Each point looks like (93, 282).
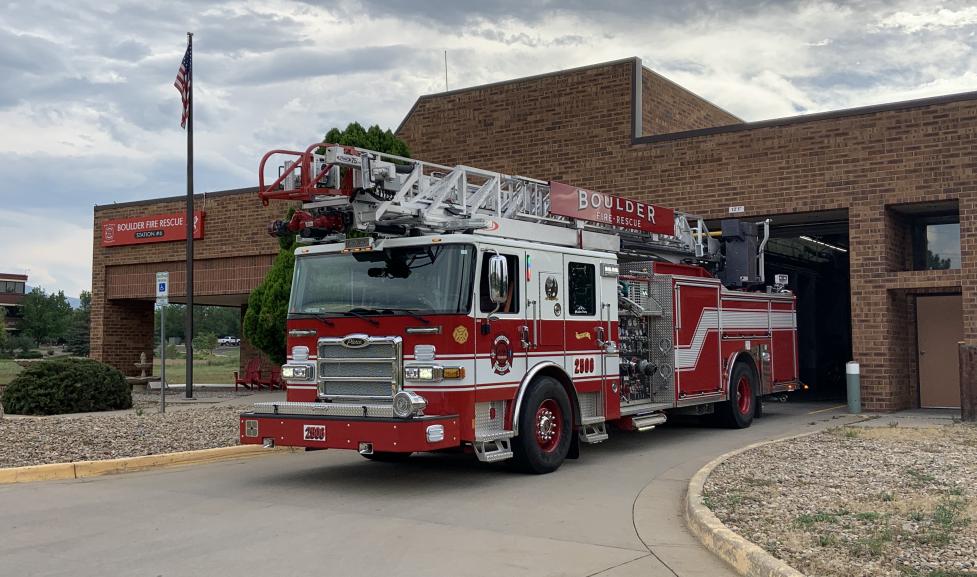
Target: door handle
(524, 337)
(535, 343)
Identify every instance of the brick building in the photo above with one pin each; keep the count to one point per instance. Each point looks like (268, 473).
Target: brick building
(873, 210)
(12, 289)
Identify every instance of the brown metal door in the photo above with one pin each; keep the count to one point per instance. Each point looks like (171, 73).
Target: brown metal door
(939, 326)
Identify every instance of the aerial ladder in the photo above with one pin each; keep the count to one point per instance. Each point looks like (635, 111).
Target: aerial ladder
(344, 189)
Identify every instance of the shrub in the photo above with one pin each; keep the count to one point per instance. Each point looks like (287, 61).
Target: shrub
(21, 342)
(29, 355)
(67, 386)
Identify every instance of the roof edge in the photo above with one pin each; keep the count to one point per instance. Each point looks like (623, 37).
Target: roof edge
(814, 117)
(199, 195)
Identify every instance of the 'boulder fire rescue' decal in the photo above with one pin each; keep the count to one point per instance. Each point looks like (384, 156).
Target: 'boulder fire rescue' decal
(501, 355)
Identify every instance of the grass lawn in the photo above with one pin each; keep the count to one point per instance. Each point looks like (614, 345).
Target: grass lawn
(218, 369)
(8, 370)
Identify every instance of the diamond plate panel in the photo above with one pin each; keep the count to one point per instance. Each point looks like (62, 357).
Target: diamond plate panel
(327, 409)
(484, 423)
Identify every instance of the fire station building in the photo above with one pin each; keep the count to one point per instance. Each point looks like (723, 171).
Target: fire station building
(874, 212)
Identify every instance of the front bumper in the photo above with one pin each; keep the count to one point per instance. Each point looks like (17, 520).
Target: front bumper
(346, 432)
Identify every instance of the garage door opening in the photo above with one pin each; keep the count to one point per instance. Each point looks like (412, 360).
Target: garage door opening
(812, 249)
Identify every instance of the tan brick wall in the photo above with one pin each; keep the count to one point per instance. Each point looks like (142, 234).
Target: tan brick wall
(576, 127)
(667, 107)
(231, 259)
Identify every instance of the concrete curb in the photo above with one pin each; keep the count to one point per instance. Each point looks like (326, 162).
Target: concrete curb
(744, 556)
(82, 469)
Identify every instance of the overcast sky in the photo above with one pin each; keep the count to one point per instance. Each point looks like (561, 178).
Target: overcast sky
(89, 115)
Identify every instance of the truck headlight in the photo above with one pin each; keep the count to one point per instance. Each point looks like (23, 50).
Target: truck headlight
(407, 404)
(423, 373)
(297, 372)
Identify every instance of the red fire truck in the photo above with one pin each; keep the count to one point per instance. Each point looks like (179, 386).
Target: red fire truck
(438, 308)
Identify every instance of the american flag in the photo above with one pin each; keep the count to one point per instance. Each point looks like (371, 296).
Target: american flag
(183, 79)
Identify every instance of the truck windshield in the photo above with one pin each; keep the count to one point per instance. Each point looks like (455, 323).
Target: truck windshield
(432, 279)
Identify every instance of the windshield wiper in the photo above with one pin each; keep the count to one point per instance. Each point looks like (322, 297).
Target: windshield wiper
(410, 313)
(373, 322)
(315, 316)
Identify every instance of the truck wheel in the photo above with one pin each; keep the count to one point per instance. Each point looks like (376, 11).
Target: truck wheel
(388, 457)
(545, 428)
(738, 411)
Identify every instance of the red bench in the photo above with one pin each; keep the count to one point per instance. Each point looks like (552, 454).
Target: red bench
(252, 375)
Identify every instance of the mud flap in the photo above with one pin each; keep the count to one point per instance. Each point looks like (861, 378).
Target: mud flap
(574, 451)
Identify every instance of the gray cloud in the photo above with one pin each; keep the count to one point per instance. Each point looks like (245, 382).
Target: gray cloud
(91, 116)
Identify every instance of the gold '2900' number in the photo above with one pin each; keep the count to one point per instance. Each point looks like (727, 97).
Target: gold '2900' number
(583, 365)
(314, 432)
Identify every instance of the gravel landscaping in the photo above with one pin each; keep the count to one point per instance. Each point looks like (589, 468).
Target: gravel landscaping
(38, 440)
(858, 501)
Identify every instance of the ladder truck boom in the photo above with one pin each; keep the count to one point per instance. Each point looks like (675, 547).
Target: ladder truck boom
(440, 307)
(386, 194)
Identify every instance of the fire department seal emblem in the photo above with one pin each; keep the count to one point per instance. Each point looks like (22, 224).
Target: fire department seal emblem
(551, 288)
(460, 335)
(109, 232)
(501, 355)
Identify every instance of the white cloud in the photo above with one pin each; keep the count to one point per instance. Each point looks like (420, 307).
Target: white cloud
(930, 19)
(48, 249)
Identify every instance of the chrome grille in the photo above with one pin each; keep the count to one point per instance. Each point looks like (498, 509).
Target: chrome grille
(372, 370)
(359, 369)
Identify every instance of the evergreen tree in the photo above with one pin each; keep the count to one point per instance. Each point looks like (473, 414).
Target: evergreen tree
(264, 321)
(78, 340)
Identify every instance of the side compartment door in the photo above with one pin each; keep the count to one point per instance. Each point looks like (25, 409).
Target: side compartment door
(546, 306)
(499, 352)
(698, 366)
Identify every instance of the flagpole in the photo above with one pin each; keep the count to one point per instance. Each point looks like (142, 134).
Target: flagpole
(189, 221)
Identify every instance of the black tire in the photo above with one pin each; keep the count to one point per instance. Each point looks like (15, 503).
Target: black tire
(387, 457)
(739, 410)
(541, 448)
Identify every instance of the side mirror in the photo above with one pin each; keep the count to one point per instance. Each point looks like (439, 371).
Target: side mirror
(498, 280)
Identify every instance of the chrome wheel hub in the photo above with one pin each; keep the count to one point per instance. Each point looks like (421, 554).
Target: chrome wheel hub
(545, 425)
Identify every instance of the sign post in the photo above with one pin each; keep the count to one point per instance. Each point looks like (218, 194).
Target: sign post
(162, 299)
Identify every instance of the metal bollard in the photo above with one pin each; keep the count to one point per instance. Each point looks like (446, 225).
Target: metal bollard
(852, 375)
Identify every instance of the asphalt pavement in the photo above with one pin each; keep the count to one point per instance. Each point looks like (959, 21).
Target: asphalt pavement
(615, 512)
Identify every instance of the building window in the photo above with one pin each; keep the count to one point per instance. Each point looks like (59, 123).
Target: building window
(12, 287)
(582, 289)
(923, 235)
(936, 242)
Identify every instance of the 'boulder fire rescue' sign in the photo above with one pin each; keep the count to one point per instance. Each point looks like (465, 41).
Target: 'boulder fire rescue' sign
(584, 204)
(153, 228)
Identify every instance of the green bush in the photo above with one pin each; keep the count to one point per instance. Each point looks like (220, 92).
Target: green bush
(29, 355)
(66, 386)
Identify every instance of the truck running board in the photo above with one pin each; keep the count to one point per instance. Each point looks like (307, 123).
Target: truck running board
(493, 450)
(592, 433)
(647, 421)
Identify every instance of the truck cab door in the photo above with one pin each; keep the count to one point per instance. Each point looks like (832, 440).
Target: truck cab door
(502, 331)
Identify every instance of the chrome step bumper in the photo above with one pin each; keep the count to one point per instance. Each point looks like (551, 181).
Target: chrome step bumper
(346, 409)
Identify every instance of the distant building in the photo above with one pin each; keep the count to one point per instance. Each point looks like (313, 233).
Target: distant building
(12, 287)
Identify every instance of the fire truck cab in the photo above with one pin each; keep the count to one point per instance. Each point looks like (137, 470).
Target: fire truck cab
(502, 325)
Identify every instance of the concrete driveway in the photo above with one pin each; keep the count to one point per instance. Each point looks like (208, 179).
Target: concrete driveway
(615, 512)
